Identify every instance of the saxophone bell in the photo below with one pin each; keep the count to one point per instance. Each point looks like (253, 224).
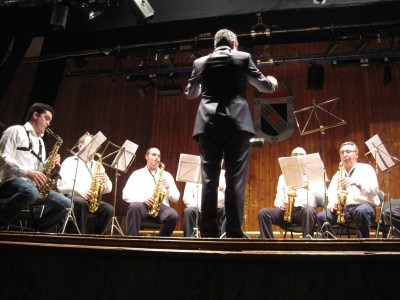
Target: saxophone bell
(97, 187)
(289, 209)
(158, 194)
(342, 197)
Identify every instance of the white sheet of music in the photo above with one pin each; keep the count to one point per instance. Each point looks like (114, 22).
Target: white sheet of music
(303, 170)
(189, 168)
(125, 155)
(92, 147)
(378, 151)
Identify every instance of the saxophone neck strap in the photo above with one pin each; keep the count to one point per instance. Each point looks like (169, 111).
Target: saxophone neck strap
(152, 175)
(30, 149)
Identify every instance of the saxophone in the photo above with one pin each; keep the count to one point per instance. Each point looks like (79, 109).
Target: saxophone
(96, 188)
(342, 196)
(51, 174)
(289, 209)
(158, 194)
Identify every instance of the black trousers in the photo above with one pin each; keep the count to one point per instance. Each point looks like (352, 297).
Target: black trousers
(227, 142)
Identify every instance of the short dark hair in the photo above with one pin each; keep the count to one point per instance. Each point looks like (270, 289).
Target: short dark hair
(225, 37)
(39, 108)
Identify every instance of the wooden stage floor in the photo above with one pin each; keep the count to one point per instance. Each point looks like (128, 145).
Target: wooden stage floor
(66, 266)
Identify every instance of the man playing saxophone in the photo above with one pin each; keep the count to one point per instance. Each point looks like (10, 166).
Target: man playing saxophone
(22, 157)
(360, 184)
(302, 210)
(91, 181)
(143, 187)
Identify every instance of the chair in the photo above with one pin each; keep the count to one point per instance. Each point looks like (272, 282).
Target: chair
(27, 218)
(297, 228)
(150, 224)
(349, 227)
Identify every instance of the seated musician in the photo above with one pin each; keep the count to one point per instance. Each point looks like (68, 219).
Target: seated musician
(356, 183)
(303, 211)
(22, 163)
(91, 182)
(149, 191)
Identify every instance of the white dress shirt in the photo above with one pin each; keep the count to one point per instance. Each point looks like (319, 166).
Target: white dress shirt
(140, 186)
(15, 163)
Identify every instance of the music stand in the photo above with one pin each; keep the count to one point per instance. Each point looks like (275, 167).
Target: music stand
(386, 163)
(84, 153)
(326, 115)
(189, 170)
(302, 172)
(124, 157)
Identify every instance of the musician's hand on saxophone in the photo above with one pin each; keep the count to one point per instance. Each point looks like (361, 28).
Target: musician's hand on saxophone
(165, 184)
(38, 177)
(284, 206)
(57, 161)
(149, 202)
(348, 181)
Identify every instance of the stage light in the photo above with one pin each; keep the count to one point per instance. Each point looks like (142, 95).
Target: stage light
(319, 1)
(142, 9)
(89, 11)
(169, 60)
(142, 64)
(59, 16)
(260, 28)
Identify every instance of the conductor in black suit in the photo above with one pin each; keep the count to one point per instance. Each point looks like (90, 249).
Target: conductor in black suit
(224, 127)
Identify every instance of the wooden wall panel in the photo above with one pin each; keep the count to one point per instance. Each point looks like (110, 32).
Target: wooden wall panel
(111, 104)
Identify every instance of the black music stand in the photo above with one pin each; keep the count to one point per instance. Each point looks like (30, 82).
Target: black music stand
(386, 163)
(189, 170)
(84, 153)
(326, 115)
(123, 159)
(303, 171)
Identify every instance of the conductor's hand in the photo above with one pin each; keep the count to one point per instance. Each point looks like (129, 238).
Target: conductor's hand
(38, 177)
(273, 81)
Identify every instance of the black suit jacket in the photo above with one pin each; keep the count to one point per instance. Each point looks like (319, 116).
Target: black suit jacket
(221, 79)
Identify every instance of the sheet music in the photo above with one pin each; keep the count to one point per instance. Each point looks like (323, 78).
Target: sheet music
(125, 156)
(86, 151)
(378, 151)
(189, 169)
(300, 171)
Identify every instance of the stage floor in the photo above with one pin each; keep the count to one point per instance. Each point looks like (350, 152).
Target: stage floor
(66, 266)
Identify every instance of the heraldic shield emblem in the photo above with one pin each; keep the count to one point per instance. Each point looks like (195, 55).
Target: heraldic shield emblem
(273, 117)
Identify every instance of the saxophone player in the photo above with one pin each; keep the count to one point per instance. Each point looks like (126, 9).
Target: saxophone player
(75, 169)
(139, 192)
(361, 185)
(22, 157)
(303, 211)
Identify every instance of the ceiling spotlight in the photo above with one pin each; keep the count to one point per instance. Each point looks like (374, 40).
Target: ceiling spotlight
(319, 1)
(169, 60)
(89, 11)
(260, 28)
(142, 64)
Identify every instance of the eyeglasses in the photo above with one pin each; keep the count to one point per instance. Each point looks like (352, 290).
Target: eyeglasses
(346, 151)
